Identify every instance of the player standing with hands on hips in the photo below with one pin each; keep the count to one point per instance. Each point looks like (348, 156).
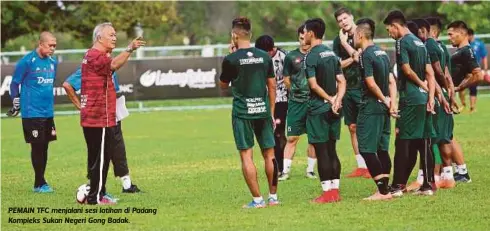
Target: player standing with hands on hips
(36, 73)
(251, 73)
(98, 104)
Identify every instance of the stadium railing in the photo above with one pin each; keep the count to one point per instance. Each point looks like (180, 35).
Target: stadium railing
(159, 52)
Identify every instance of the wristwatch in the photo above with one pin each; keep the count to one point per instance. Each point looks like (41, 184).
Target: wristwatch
(129, 49)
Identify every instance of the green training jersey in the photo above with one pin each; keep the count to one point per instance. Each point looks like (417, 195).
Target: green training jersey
(293, 67)
(324, 65)
(410, 50)
(436, 54)
(352, 73)
(374, 63)
(463, 62)
(248, 70)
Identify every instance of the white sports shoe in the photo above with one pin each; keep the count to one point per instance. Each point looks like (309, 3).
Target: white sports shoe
(283, 176)
(311, 175)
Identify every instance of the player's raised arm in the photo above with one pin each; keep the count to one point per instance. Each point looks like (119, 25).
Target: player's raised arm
(123, 57)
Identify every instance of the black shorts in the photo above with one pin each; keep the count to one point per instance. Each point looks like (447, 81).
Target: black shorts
(39, 130)
(473, 90)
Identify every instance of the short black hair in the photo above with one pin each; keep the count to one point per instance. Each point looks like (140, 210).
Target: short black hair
(317, 25)
(242, 23)
(368, 26)
(434, 21)
(341, 11)
(301, 29)
(265, 43)
(458, 25)
(413, 27)
(422, 23)
(395, 16)
(471, 32)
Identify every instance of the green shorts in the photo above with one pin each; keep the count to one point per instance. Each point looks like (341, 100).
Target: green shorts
(373, 132)
(296, 118)
(244, 130)
(444, 124)
(415, 123)
(322, 127)
(350, 105)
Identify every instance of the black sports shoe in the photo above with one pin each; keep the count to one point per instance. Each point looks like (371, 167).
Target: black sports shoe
(397, 190)
(132, 189)
(462, 178)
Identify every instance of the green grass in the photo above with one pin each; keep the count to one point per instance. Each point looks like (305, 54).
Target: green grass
(186, 163)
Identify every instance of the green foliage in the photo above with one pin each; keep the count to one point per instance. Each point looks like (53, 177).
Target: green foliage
(167, 23)
(475, 14)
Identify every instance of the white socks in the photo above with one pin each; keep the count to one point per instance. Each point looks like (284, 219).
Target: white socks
(420, 177)
(447, 173)
(360, 161)
(311, 164)
(462, 169)
(335, 183)
(326, 185)
(287, 165)
(273, 196)
(258, 199)
(126, 182)
(330, 184)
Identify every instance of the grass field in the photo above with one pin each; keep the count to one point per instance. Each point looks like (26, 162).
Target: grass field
(186, 163)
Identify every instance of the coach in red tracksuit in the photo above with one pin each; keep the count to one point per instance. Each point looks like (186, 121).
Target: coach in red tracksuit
(98, 104)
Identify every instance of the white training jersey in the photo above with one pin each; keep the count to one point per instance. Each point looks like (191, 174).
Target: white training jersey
(281, 90)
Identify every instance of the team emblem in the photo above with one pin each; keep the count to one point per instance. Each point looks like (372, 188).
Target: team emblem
(53, 132)
(250, 54)
(35, 133)
(52, 67)
(298, 60)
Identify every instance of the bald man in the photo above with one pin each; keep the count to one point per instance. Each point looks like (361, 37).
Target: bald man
(36, 73)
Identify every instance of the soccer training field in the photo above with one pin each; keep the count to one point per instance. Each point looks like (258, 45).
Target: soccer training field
(188, 167)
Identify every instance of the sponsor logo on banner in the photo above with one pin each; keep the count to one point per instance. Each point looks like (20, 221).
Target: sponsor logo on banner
(190, 78)
(6, 85)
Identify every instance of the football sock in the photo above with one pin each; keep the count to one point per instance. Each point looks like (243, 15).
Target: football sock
(311, 164)
(287, 165)
(126, 182)
(258, 199)
(447, 173)
(273, 196)
(335, 183)
(360, 161)
(462, 169)
(420, 176)
(39, 153)
(382, 185)
(326, 185)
